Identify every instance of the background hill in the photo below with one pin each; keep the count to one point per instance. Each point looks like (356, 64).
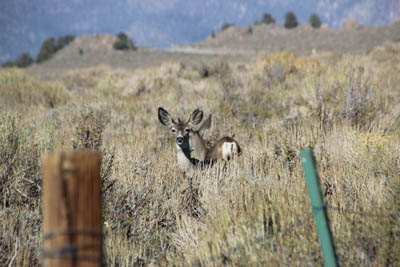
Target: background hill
(234, 44)
(303, 39)
(24, 24)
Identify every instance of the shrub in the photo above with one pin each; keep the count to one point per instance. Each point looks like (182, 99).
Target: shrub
(89, 135)
(120, 45)
(268, 19)
(64, 41)
(22, 92)
(51, 46)
(315, 21)
(226, 26)
(24, 60)
(47, 50)
(123, 43)
(8, 64)
(19, 165)
(290, 20)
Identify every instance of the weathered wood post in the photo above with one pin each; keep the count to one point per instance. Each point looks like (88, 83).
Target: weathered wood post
(72, 222)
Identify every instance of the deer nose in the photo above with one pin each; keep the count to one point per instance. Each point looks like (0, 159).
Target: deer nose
(179, 140)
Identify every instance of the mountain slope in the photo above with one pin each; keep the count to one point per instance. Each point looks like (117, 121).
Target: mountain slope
(24, 24)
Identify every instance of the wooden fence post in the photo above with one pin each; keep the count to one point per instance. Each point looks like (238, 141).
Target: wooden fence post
(72, 222)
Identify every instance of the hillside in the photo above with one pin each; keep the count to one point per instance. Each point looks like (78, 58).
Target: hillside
(234, 44)
(302, 40)
(92, 50)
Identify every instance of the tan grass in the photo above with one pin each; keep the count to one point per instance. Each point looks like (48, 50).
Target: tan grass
(239, 213)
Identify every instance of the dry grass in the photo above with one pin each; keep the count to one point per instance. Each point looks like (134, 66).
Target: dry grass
(251, 211)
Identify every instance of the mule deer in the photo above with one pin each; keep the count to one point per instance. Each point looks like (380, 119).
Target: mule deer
(189, 140)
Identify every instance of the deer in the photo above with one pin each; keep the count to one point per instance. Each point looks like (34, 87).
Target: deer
(189, 140)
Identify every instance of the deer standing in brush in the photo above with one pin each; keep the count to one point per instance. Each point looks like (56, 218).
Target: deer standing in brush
(189, 140)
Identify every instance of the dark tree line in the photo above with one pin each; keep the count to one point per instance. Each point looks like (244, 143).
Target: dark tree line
(47, 50)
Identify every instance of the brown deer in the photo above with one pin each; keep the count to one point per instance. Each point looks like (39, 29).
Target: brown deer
(189, 140)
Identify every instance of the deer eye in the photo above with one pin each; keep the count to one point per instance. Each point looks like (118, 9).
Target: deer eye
(187, 130)
(173, 130)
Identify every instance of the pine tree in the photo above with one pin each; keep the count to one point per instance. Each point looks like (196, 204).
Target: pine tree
(47, 50)
(123, 43)
(315, 21)
(24, 60)
(290, 20)
(268, 19)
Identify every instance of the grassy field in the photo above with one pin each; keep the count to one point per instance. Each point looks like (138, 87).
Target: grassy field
(252, 211)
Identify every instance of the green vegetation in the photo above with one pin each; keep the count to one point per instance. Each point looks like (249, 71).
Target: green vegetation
(226, 26)
(47, 50)
(123, 43)
(290, 20)
(23, 61)
(250, 211)
(63, 41)
(268, 19)
(315, 21)
(51, 46)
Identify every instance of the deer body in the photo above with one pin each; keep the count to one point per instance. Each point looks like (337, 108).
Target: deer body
(225, 148)
(188, 140)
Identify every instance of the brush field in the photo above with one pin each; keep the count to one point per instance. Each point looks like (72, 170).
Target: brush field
(251, 211)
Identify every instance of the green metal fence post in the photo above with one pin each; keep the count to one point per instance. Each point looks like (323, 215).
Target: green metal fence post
(318, 206)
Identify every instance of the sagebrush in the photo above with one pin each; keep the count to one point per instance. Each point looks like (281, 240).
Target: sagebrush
(253, 210)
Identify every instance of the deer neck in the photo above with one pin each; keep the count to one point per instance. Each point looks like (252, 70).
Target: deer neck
(197, 145)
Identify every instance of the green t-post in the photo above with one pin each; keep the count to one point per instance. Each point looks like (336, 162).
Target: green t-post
(318, 206)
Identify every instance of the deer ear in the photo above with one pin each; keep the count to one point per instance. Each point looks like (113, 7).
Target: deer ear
(165, 118)
(196, 117)
(205, 126)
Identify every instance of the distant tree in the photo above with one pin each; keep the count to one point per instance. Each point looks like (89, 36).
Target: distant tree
(290, 20)
(51, 46)
(250, 30)
(120, 45)
(47, 50)
(315, 21)
(226, 26)
(8, 64)
(123, 43)
(63, 41)
(24, 60)
(212, 34)
(122, 36)
(268, 19)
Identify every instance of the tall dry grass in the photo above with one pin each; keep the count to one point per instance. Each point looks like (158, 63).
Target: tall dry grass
(253, 210)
